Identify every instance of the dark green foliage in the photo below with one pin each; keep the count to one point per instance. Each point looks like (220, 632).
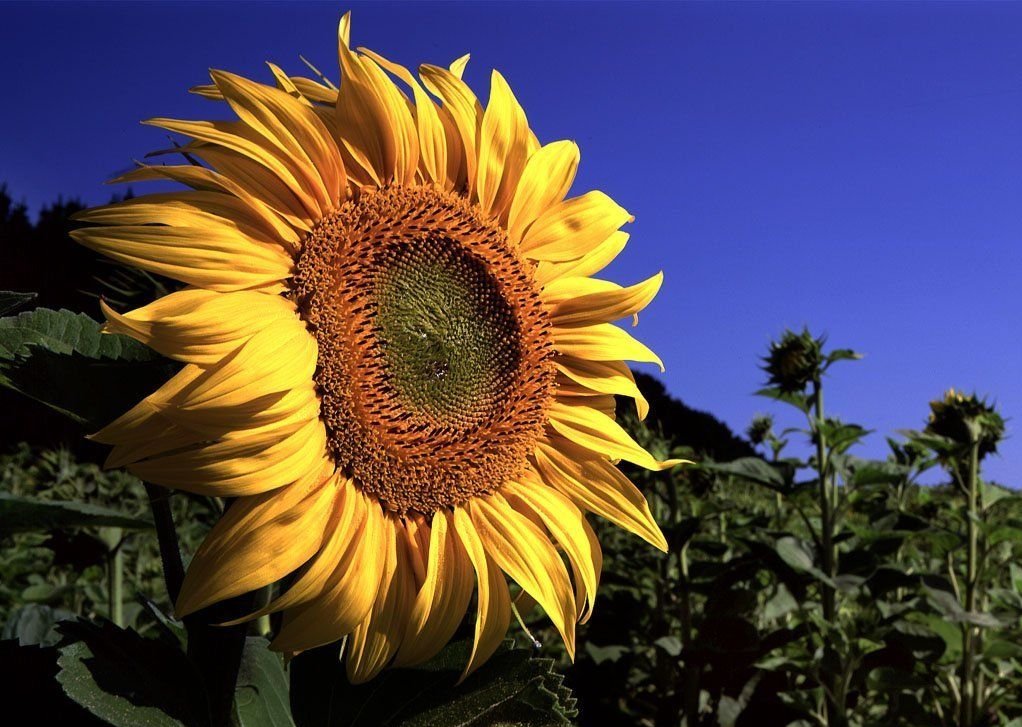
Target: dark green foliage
(128, 680)
(513, 688)
(23, 514)
(44, 267)
(262, 694)
(63, 360)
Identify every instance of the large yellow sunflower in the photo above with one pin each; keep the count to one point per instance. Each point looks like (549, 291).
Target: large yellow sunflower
(396, 363)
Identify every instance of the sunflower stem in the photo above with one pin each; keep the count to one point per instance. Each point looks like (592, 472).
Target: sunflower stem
(166, 536)
(969, 632)
(263, 598)
(115, 579)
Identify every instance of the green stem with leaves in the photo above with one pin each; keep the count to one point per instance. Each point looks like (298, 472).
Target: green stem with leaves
(826, 502)
(834, 683)
(969, 700)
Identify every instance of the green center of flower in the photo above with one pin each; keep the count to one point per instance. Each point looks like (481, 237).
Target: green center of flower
(449, 339)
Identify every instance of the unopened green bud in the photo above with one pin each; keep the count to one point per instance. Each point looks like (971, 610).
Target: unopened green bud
(795, 361)
(966, 419)
(760, 429)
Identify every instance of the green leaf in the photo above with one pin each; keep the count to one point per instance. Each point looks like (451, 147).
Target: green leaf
(261, 695)
(602, 654)
(45, 593)
(128, 680)
(842, 354)
(875, 472)
(731, 708)
(670, 644)
(779, 604)
(795, 553)
(61, 359)
(993, 494)
(513, 689)
(796, 399)
(33, 624)
(840, 436)
(11, 301)
(757, 470)
(29, 688)
(799, 555)
(949, 607)
(23, 514)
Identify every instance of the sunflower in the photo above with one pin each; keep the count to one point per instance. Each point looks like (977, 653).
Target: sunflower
(396, 364)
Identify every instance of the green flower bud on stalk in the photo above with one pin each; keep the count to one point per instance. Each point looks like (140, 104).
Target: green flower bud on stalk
(760, 429)
(794, 361)
(965, 419)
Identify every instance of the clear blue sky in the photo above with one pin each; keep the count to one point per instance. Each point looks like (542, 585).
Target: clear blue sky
(853, 167)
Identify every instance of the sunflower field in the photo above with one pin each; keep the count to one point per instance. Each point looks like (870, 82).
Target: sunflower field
(792, 592)
(343, 431)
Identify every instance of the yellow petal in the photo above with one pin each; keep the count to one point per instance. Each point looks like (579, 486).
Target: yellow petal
(463, 110)
(457, 66)
(502, 150)
(574, 227)
(523, 551)
(279, 358)
(443, 598)
(374, 642)
(493, 602)
(332, 605)
(604, 377)
(567, 525)
(259, 182)
(606, 306)
(148, 434)
(259, 540)
(294, 129)
(285, 84)
(216, 259)
(239, 467)
(204, 179)
(199, 326)
(242, 139)
(315, 91)
(602, 342)
(432, 137)
(589, 264)
(337, 553)
(598, 486)
(545, 181)
(566, 288)
(224, 213)
(375, 124)
(597, 432)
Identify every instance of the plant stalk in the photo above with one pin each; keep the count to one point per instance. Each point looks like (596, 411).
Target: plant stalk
(166, 537)
(115, 579)
(826, 504)
(834, 700)
(968, 669)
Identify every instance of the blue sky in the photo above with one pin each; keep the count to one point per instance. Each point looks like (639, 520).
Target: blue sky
(853, 167)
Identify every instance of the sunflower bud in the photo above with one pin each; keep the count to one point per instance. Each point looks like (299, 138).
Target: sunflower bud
(966, 419)
(760, 429)
(794, 361)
